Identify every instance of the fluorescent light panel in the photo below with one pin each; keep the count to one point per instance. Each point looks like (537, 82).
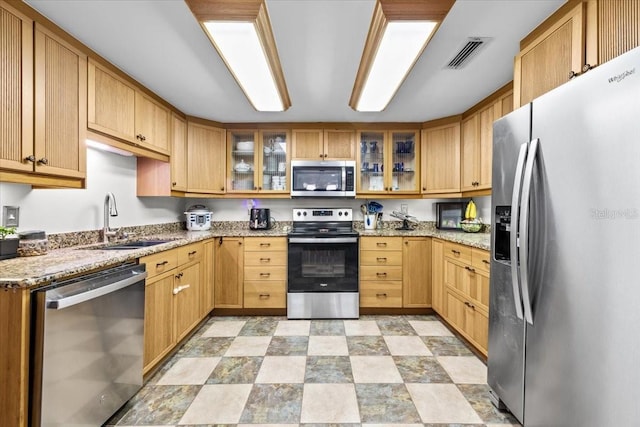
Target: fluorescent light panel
(240, 47)
(400, 46)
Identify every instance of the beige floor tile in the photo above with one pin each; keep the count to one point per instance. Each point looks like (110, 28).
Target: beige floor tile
(217, 404)
(189, 371)
(224, 328)
(374, 369)
(248, 346)
(320, 345)
(329, 403)
(293, 328)
(400, 345)
(464, 369)
(430, 328)
(442, 404)
(282, 369)
(361, 328)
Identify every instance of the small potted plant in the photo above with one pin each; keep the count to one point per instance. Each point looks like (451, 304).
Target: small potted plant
(8, 246)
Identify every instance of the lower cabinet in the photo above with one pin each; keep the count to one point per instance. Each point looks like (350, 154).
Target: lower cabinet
(381, 272)
(173, 296)
(265, 272)
(416, 272)
(229, 272)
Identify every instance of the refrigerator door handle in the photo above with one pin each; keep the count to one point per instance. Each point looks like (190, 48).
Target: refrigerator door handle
(524, 229)
(515, 212)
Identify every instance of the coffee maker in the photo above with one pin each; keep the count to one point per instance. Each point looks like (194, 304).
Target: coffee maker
(260, 219)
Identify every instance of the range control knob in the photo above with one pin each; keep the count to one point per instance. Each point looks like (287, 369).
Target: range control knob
(304, 213)
(346, 213)
(339, 213)
(298, 213)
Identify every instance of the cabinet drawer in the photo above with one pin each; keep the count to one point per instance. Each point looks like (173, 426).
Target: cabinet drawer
(457, 252)
(190, 253)
(258, 273)
(381, 243)
(480, 260)
(265, 258)
(377, 273)
(265, 243)
(265, 294)
(376, 294)
(380, 258)
(161, 262)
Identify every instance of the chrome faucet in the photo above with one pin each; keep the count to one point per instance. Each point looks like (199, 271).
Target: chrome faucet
(110, 209)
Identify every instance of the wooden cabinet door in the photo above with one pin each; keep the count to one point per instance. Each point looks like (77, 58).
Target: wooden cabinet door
(158, 315)
(403, 162)
(307, 144)
(208, 281)
(16, 90)
(60, 106)
(205, 158)
(615, 29)
(151, 124)
(441, 159)
(470, 153)
(229, 273)
(339, 144)
(111, 103)
(416, 273)
(437, 276)
(186, 299)
(547, 62)
(485, 148)
(178, 153)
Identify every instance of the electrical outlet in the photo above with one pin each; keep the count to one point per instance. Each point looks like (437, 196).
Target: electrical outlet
(404, 208)
(10, 216)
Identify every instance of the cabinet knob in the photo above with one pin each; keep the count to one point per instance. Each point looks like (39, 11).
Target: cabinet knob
(424, 189)
(174, 184)
(573, 74)
(30, 158)
(259, 188)
(325, 156)
(457, 253)
(43, 161)
(139, 137)
(586, 67)
(221, 188)
(321, 156)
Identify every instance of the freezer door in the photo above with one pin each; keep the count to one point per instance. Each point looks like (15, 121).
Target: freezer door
(582, 350)
(506, 330)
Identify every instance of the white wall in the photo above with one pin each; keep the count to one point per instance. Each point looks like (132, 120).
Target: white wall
(58, 211)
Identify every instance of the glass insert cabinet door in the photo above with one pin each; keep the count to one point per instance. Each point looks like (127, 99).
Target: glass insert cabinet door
(242, 161)
(404, 155)
(274, 154)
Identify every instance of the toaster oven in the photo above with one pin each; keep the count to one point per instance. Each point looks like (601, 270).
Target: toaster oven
(449, 215)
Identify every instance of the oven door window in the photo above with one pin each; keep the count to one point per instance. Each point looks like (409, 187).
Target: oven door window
(326, 267)
(317, 178)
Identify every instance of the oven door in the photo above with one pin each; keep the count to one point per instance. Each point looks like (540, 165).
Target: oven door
(323, 264)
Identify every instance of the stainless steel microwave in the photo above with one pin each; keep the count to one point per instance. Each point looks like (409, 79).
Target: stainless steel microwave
(312, 178)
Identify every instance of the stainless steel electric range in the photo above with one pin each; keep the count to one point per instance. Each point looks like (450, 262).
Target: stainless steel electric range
(323, 265)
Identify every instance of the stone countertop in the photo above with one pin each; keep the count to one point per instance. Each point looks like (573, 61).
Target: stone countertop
(30, 272)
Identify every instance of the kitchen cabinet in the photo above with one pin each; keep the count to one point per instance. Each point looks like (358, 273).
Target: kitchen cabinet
(208, 281)
(265, 272)
(466, 292)
(416, 272)
(179, 149)
(437, 276)
(388, 162)
(229, 272)
(441, 157)
(261, 168)
(118, 109)
(205, 158)
(381, 272)
(43, 101)
(173, 294)
(323, 144)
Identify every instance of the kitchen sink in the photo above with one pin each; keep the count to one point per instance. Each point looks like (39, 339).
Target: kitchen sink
(138, 244)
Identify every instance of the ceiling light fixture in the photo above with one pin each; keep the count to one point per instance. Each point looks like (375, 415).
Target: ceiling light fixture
(399, 32)
(241, 33)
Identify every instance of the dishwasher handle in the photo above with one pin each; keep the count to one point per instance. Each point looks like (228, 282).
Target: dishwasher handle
(62, 303)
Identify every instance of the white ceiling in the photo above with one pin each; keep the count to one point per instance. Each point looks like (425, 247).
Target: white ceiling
(320, 42)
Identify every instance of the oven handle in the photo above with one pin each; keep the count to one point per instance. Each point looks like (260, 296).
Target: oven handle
(323, 240)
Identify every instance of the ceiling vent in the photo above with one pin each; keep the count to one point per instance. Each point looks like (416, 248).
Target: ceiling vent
(470, 49)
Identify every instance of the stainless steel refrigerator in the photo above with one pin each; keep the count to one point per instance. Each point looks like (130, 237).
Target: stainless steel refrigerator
(564, 319)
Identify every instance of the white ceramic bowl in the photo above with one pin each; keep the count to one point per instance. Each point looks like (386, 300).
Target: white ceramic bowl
(244, 146)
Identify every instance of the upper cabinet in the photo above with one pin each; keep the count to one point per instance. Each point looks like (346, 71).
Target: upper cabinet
(258, 161)
(118, 109)
(388, 162)
(43, 100)
(205, 159)
(319, 144)
(179, 149)
(578, 36)
(441, 157)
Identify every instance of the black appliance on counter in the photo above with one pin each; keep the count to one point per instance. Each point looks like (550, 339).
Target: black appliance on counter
(323, 265)
(449, 215)
(260, 219)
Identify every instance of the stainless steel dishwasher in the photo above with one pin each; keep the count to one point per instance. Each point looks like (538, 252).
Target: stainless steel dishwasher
(88, 341)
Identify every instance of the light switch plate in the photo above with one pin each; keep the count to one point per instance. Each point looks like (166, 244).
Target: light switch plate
(10, 216)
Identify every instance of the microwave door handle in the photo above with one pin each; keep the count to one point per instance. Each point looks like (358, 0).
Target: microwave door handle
(524, 229)
(515, 212)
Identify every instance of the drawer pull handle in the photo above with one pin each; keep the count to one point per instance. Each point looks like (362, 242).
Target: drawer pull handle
(381, 274)
(161, 264)
(471, 270)
(265, 259)
(265, 244)
(381, 259)
(179, 275)
(265, 274)
(192, 253)
(383, 295)
(456, 253)
(179, 289)
(486, 262)
(264, 296)
(381, 244)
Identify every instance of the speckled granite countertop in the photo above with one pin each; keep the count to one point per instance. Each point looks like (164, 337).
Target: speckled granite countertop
(27, 272)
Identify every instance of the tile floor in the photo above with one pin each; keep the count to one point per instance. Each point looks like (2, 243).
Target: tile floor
(392, 370)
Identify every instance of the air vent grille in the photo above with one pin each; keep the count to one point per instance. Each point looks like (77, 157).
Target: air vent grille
(470, 49)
